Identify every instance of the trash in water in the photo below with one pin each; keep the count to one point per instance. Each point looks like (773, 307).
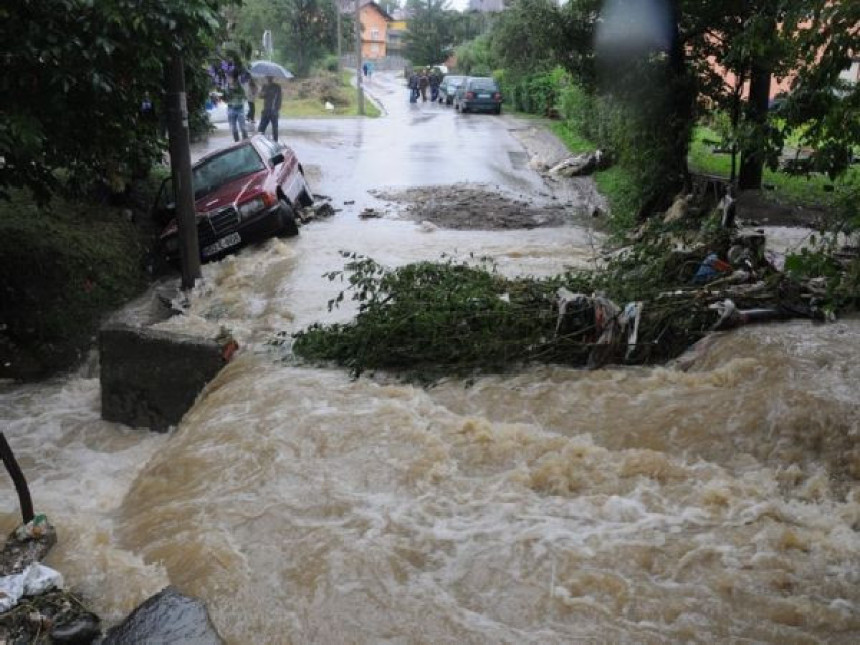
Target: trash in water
(710, 269)
(34, 529)
(33, 581)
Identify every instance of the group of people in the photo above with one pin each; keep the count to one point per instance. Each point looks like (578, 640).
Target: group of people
(241, 93)
(422, 79)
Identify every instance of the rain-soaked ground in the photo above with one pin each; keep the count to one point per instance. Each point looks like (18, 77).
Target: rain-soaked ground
(715, 503)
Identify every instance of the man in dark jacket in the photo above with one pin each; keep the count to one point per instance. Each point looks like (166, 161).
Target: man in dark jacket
(413, 87)
(271, 93)
(423, 82)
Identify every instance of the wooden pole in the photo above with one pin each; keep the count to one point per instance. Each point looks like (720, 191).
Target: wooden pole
(337, 6)
(180, 165)
(358, 57)
(18, 479)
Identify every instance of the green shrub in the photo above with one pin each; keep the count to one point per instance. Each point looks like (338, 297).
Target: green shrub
(330, 63)
(62, 267)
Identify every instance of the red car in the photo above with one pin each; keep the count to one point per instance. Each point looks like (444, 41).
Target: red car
(245, 193)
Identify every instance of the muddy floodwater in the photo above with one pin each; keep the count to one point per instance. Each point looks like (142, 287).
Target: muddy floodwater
(715, 500)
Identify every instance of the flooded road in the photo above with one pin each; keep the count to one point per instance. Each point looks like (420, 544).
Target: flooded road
(713, 504)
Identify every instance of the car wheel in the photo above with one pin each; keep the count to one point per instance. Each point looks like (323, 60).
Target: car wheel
(288, 221)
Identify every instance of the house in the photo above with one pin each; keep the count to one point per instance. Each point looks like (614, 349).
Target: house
(397, 29)
(374, 28)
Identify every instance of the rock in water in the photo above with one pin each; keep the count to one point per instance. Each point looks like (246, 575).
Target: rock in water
(80, 631)
(167, 618)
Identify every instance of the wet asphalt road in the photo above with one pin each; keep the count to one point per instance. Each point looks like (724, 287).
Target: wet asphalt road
(412, 144)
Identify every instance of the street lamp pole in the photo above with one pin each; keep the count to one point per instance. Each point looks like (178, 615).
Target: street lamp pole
(358, 57)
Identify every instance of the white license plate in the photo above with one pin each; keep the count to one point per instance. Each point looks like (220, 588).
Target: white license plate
(483, 96)
(224, 243)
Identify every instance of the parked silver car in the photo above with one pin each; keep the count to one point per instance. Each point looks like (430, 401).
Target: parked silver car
(448, 87)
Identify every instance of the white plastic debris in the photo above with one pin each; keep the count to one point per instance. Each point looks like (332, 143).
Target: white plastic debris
(38, 579)
(32, 581)
(11, 590)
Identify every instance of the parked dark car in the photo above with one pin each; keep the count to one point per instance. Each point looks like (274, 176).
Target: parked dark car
(448, 87)
(478, 93)
(242, 194)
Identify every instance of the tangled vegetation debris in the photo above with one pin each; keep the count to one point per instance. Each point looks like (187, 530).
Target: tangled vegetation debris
(435, 318)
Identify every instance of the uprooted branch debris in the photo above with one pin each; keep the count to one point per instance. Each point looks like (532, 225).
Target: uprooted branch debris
(649, 302)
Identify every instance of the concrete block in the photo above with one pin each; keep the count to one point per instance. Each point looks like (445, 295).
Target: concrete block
(150, 378)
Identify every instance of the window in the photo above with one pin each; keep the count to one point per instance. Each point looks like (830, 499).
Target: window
(374, 34)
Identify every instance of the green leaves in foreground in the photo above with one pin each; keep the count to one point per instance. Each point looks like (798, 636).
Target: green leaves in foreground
(448, 316)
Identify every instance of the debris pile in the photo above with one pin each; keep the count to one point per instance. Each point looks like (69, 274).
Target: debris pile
(651, 301)
(34, 608)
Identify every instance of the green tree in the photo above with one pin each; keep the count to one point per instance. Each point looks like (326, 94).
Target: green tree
(808, 41)
(78, 79)
(430, 38)
(303, 31)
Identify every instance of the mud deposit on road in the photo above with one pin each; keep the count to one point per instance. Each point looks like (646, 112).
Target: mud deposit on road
(475, 207)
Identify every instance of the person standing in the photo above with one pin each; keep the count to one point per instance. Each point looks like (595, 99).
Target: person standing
(413, 88)
(435, 80)
(271, 93)
(423, 81)
(235, 97)
(251, 91)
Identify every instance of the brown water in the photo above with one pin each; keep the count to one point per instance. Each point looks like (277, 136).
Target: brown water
(714, 504)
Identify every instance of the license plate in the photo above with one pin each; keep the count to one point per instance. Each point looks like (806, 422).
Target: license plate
(483, 96)
(224, 243)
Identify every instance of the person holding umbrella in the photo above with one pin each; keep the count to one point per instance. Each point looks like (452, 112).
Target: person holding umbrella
(271, 93)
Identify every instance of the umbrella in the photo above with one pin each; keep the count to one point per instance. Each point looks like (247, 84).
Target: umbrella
(262, 68)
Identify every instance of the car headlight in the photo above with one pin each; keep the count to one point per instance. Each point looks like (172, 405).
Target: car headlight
(250, 207)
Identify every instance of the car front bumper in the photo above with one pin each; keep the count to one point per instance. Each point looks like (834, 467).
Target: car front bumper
(217, 242)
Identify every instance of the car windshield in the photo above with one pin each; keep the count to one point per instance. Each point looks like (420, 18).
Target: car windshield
(224, 168)
(454, 80)
(483, 84)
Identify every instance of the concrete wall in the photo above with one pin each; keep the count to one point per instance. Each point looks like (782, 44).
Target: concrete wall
(150, 378)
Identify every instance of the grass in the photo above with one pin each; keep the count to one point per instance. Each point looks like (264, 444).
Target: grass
(617, 185)
(814, 189)
(573, 140)
(614, 183)
(345, 100)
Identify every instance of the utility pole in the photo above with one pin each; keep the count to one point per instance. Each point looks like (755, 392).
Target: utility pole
(358, 57)
(180, 166)
(339, 9)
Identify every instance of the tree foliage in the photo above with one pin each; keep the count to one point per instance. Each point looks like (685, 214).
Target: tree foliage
(430, 39)
(303, 31)
(644, 63)
(76, 75)
(808, 42)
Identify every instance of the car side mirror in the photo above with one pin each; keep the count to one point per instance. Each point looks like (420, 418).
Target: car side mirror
(277, 159)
